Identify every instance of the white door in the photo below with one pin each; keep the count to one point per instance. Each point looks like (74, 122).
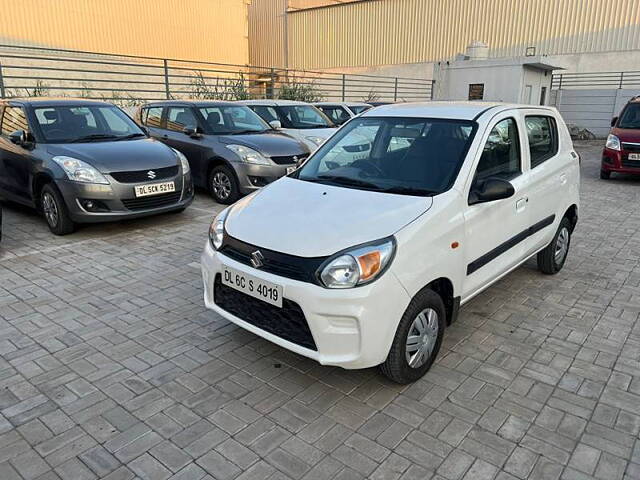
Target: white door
(495, 230)
(551, 164)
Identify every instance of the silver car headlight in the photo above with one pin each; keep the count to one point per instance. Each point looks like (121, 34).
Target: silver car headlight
(613, 143)
(216, 229)
(183, 161)
(79, 171)
(249, 155)
(359, 265)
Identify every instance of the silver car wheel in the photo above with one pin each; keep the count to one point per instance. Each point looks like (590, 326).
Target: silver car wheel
(50, 209)
(562, 245)
(422, 338)
(221, 185)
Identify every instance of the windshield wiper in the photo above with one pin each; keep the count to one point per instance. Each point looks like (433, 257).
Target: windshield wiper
(421, 192)
(339, 179)
(94, 136)
(244, 132)
(132, 135)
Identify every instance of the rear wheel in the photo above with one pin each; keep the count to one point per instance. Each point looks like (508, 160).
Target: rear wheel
(417, 340)
(605, 174)
(552, 258)
(223, 185)
(55, 211)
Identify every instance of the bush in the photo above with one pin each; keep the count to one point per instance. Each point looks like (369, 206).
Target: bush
(300, 91)
(222, 89)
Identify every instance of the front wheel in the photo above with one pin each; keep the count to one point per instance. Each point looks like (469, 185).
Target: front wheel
(605, 174)
(552, 258)
(55, 211)
(223, 185)
(417, 340)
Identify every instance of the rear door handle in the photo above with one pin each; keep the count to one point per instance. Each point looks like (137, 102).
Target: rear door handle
(165, 137)
(521, 204)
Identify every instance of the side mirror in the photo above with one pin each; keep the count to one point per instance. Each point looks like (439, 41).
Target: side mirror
(275, 124)
(491, 189)
(19, 137)
(614, 120)
(192, 131)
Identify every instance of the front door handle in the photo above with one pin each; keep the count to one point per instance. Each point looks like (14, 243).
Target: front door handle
(521, 204)
(563, 178)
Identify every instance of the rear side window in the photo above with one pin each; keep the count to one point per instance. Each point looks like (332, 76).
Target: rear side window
(542, 133)
(14, 119)
(501, 154)
(338, 115)
(180, 117)
(152, 117)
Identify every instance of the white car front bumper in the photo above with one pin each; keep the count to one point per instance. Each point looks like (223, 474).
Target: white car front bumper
(352, 328)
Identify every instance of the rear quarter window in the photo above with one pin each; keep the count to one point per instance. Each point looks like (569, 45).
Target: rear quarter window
(152, 117)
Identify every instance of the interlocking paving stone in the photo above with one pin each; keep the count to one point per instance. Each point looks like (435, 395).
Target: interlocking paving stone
(111, 367)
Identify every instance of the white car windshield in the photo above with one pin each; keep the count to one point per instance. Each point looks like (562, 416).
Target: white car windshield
(411, 156)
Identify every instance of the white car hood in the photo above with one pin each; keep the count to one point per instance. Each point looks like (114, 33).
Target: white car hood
(313, 220)
(301, 135)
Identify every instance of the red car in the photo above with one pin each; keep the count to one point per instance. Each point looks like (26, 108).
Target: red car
(622, 151)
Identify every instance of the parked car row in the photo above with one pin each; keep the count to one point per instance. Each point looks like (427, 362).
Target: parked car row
(83, 161)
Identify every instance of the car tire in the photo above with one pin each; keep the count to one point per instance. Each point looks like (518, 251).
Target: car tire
(55, 211)
(223, 185)
(605, 174)
(552, 258)
(419, 332)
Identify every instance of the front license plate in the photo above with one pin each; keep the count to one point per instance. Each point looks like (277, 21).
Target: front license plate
(154, 189)
(291, 170)
(634, 156)
(254, 286)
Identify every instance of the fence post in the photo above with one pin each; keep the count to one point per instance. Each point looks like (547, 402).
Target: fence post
(560, 83)
(1, 83)
(395, 90)
(433, 86)
(272, 84)
(621, 80)
(344, 86)
(167, 89)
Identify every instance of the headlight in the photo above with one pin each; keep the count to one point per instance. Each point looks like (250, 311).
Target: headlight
(613, 143)
(216, 230)
(359, 265)
(183, 161)
(249, 155)
(316, 140)
(80, 171)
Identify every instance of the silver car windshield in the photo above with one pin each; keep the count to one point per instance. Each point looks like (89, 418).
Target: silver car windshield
(411, 156)
(232, 120)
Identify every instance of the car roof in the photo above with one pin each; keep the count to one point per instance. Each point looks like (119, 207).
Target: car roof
(191, 103)
(54, 101)
(446, 110)
(273, 103)
(331, 104)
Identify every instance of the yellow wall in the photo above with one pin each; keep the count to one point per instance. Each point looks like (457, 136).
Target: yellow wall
(208, 30)
(384, 32)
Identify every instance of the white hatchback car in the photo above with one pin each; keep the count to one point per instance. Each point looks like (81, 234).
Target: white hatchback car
(362, 263)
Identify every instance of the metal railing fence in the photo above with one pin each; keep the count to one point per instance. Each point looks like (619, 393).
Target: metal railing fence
(619, 80)
(129, 80)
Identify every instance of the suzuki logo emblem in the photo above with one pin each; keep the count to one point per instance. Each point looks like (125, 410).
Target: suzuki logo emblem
(257, 259)
(295, 158)
(151, 174)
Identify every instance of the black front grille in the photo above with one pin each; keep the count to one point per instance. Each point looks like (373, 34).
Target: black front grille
(287, 322)
(631, 147)
(289, 160)
(143, 175)
(290, 266)
(630, 163)
(152, 201)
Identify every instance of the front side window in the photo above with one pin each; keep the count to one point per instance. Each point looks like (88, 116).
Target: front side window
(79, 123)
(14, 119)
(501, 154)
(358, 109)
(232, 120)
(410, 156)
(180, 117)
(542, 134)
(630, 117)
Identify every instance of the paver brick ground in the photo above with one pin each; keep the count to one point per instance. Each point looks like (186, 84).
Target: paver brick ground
(110, 367)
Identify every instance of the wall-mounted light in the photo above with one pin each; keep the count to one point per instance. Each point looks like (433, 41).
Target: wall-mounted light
(531, 52)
